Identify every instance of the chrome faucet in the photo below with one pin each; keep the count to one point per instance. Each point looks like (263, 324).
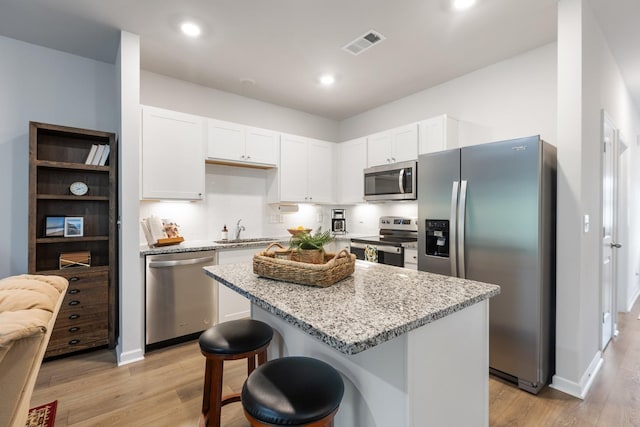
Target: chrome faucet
(239, 228)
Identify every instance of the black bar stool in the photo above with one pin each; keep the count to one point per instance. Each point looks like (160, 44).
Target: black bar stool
(292, 391)
(237, 339)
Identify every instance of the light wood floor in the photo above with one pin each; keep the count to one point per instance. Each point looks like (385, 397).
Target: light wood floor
(166, 388)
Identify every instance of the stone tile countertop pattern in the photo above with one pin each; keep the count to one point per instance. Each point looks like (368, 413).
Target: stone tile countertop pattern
(204, 245)
(376, 304)
(196, 246)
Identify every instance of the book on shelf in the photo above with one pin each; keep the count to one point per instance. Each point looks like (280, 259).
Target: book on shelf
(91, 155)
(105, 156)
(98, 156)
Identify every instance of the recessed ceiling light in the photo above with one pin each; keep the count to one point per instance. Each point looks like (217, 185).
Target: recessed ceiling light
(327, 80)
(191, 29)
(463, 4)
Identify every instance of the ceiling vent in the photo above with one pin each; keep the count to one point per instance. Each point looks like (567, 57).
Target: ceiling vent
(364, 42)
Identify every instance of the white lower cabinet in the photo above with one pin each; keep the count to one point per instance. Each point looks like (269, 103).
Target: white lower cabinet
(336, 245)
(231, 305)
(411, 259)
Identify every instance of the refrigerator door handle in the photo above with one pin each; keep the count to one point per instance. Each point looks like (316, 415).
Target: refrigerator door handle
(461, 220)
(401, 181)
(453, 224)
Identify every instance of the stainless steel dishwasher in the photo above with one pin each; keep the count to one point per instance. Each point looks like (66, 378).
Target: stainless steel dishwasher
(181, 299)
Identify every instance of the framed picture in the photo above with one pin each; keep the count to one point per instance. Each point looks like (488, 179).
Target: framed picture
(54, 226)
(73, 226)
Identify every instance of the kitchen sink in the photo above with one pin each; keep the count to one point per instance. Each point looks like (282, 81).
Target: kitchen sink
(253, 240)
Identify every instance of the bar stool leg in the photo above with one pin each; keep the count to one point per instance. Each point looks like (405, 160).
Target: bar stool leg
(251, 364)
(212, 416)
(208, 376)
(262, 357)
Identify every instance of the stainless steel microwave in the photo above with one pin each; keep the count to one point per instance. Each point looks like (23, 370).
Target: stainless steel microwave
(394, 181)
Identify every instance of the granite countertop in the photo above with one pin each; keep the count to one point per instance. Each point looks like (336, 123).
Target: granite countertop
(376, 304)
(208, 245)
(196, 246)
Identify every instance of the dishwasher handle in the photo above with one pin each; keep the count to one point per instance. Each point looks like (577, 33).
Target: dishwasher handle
(176, 263)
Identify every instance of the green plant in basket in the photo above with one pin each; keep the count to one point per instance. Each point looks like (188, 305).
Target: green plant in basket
(310, 241)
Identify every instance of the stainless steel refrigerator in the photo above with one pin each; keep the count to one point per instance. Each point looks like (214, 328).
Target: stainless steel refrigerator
(487, 213)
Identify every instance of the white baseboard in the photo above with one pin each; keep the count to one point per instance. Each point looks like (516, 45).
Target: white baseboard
(129, 356)
(580, 389)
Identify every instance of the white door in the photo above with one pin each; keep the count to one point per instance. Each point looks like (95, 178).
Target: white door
(609, 213)
(404, 143)
(352, 161)
(379, 149)
(293, 169)
(225, 140)
(320, 172)
(261, 146)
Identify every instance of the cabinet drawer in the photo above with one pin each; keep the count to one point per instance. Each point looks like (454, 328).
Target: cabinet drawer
(67, 344)
(74, 317)
(83, 320)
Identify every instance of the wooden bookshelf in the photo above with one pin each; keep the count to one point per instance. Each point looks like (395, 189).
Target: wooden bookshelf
(57, 157)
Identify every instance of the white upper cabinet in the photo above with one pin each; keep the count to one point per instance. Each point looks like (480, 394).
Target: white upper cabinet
(305, 174)
(234, 143)
(351, 161)
(172, 151)
(437, 134)
(395, 145)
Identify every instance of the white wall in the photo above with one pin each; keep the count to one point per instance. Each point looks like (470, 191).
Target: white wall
(588, 81)
(166, 92)
(45, 85)
(131, 294)
(513, 98)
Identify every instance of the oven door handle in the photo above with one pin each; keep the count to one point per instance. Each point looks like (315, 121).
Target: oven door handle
(385, 249)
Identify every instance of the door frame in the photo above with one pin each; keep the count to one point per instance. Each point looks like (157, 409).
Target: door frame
(611, 326)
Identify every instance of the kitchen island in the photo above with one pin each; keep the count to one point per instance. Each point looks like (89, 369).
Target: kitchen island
(412, 347)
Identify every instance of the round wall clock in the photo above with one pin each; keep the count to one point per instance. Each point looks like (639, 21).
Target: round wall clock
(78, 188)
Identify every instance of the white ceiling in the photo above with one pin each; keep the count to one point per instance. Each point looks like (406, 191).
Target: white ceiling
(284, 45)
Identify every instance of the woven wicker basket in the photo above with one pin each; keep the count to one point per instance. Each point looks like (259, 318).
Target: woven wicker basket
(335, 268)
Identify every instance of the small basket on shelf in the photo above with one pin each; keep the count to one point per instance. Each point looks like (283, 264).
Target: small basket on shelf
(334, 267)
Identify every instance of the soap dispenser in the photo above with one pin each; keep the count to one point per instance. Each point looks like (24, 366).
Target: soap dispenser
(224, 235)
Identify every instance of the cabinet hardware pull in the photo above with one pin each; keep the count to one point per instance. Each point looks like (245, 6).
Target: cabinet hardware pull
(74, 317)
(74, 342)
(74, 291)
(74, 302)
(74, 329)
(74, 279)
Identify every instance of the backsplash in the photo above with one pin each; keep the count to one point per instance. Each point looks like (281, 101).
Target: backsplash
(234, 193)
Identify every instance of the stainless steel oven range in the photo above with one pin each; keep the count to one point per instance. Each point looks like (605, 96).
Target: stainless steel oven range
(396, 235)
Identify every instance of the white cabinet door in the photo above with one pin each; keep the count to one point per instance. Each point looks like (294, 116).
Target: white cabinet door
(395, 145)
(261, 146)
(231, 305)
(172, 152)
(352, 159)
(225, 140)
(320, 171)
(293, 169)
(437, 134)
(241, 144)
(378, 149)
(404, 143)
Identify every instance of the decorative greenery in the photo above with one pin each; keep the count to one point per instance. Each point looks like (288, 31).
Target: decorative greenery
(304, 240)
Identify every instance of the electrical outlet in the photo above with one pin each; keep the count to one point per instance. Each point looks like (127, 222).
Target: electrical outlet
(319, 217)
(273, 218)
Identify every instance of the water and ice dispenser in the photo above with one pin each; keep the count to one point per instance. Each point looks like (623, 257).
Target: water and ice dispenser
(437, 237)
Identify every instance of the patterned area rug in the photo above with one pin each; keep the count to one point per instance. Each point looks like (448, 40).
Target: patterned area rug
(42, 416)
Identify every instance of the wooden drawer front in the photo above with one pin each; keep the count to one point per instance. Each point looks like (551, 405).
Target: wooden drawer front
(62, 345)
(88, 314)
(83, 321)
